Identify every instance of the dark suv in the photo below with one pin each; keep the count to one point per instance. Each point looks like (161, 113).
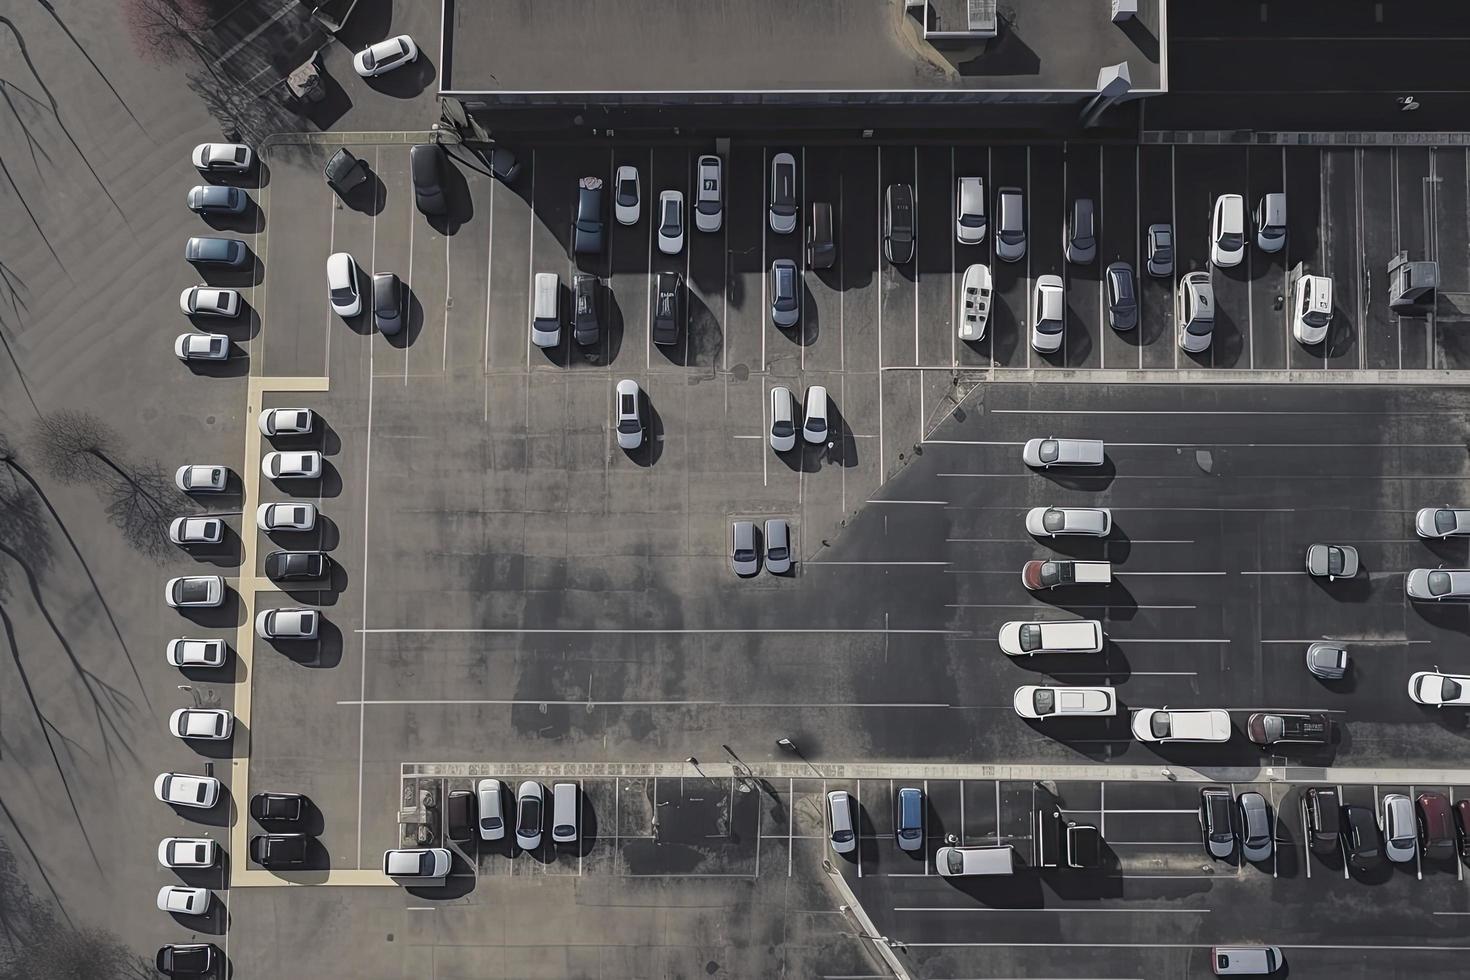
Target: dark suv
(288, 566)
(426, 164)
(666, 309)
(387, 303)
(1215, 805)
(587, 225)
(586, 330)
(1360, 837)
(1321, 809)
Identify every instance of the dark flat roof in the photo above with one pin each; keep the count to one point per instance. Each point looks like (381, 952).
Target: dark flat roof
(816, 46)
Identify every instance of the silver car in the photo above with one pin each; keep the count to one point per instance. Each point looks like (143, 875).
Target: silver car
(1160, 250)
(1442, 522)
(1255, 826)
(202, 347)
(287, 624)
(783, 419)
(209, 301)
(184, 652)
(1438, 583)
(1397, 824)
(785, 307)
(1063, 452)
(1332, 561)
(744, 558)
(1096, 522)
(969, 211)
(196, 530)
(203, 591)
(630, 420)
(1327, 660)
(777, 540)
(293, 515)
(201, 478)
(305, 465)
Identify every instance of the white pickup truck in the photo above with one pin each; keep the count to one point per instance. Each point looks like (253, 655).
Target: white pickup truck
(1189, 725)
(1037, 575)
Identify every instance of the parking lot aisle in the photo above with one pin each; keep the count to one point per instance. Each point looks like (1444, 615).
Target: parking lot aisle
(1197, 182)
(1379, 332)
(602, 163)
(1226, 173)
(826, 171)
(426, 329)
(1082, 343)
(558, 169)
(1413, 203)
(399, 225)
(746, 179)
(1046, 205)
(626, 298)
(1120, 239)
(349, 339)
(1340, 258)
(898, 311)
(1266, 347)
(510, 271)
(973, 161)
(1156, 195)
(672, 170)
(705, 259)
(1307, 229)
(1452, 245)
(784, 349)
(1005, 339)
(936, 260)
(299, 224)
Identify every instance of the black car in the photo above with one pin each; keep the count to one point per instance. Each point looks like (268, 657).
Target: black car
(217, 199)
(278, 850)
(277, 807)
(667, 308)
(586, 329)
(187, 959)
(203, 250)
(1360, 837)
(345, 172)
(1307, 728)
(503, 164)
(387, 303)
(426, 166)
(587, 225)
(290, 566)
(459, 814)
(821, 251)
(1322, 810)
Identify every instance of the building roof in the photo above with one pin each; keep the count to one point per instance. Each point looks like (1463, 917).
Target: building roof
(789, 46)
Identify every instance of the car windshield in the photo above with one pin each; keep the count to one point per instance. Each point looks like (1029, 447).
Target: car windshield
(1048, 326)
(1050, 450)
(628, 191)
(342, 294)
(1448, 690)
(1122, 286)
(782, 428)
(490, 823)
(972, 220)
(1044, 701)
(777, 553)
(1054, 520)
(1162, 242)
(1439, 583)
(1030, 637)
(1158, 725)
(842, 836)
(745, 554)
(815, 423)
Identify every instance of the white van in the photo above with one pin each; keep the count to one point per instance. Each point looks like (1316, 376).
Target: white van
(814, 430)
(968, 862)
(564, 813)
(1271, 222)
(709, 207)
(1227, 231)
(839, 820)
(1183, 725)
(1246, 960)
(1312, 316)
(546, 310)
(1010, 237)
(1024, 639)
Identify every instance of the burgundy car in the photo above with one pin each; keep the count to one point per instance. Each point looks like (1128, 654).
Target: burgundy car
(1436, 826)
(1462, 826)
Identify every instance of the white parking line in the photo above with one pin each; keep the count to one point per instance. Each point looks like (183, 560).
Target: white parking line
(1057, 911)
(915, 263)
(902, 631)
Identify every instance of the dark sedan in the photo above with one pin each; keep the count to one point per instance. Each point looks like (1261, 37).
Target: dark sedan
(587, 225)
(217, 199)
(1359, 830)
(291, 566)
(426, 165)
(345, 172)
(277, 807)
(278, 850)
(187, 959)
(228, 252)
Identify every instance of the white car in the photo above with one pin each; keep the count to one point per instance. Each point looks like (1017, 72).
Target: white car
(183, 901)
(671, 222)
(184, 652)
(492, 817)
(286, 421)
(342, 280)
(1442, 522)
(293, 623)
(627, 195)
(385, 56)
(1052, 451)
(1190, 725)
(187, 852)
(814, 405)
(1095, 522)
(182, 789)
(202, 347)
(1438, 583)
(1048, 310)
(709, 193)
(1433, 687)
(417, 862)
(294, 515)
(202, 478)
(213, 724)
(969, 210)
(196, 530)
(530, 814)
(222, 157)
(1227, 231)
(1400, 843)
(975, 296)
(1040, 701)
(195, 590)
(783, 419)
(205, 300)
(305, 465)
(783, 206)
(630, 418)
(1312, 315)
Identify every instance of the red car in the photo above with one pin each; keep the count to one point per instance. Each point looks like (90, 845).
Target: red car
(1436, 826)
(1462, 826)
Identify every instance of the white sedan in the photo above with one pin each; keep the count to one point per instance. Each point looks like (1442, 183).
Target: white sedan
(1432, 687)
(205, 591)
(286, 421)
(385, 56)
(287, 624)
(202, 478)
(342, 278)
(305, 465)
(630, 420)
(209, 301)
(214, 724)
(1438, 583)
(627, 197)
(187, 852)
(222, 157)
(671, 222)
(182, 789)
(1063, 452)
(183, 901)
(1442, 522)
(184, 652)
(295, 515)
(1188, 725)
(202, 347)
(1096, 522)
(1041, 701)
(196, 530)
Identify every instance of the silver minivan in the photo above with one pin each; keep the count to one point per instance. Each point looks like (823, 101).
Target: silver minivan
(1246, 960)
(743, 556)
(709, 191)
(546, 310)
(1271, 222)
(1196, 312)
(564, 813)
(1010, 236)
(839, 819)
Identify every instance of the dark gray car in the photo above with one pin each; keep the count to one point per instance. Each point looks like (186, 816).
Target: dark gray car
(1081, 243)
(291, 566)
(1214, 822)
(587, 225)
(1255, 826)
(387, 303)
(345, 172)
(204, 250)
(1327, 660)
(586, 329)
(1332, 561)
(217, 199)
(426, 166)
(1122, 298)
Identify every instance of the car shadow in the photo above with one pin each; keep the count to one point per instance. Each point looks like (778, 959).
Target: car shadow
(647, 455)
(459, 207)
(236, 366)
(406, 81)
(1084, 478)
